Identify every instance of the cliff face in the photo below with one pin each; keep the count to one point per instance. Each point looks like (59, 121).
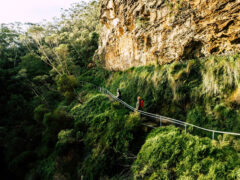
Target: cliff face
(140, 32)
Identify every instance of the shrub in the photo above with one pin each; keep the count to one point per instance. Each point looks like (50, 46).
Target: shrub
(67, 84)
(107, 130)
(170, 154)
(66, 136)
(46, 168)
(39, 112)
(133, 121)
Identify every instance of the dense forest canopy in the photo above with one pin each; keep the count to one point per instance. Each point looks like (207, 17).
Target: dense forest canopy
(38, 70)
(54, 127)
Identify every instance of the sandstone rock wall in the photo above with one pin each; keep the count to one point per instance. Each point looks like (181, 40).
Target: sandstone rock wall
(140, 32)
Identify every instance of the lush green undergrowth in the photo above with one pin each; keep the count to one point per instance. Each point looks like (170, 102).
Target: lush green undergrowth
(179, 90)
(169, 153)
(107, 130)
(203, 92)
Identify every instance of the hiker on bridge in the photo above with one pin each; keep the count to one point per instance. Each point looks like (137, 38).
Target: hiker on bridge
(139, 104)
(119, 95)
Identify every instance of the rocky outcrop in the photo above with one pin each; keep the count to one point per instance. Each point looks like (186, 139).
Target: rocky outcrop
(141, 32)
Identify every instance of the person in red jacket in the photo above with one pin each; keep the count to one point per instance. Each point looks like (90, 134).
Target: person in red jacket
(141, 104)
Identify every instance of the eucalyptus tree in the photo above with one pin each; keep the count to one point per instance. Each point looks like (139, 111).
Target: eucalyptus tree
(71, 39)
(80, 29)
(50, 49)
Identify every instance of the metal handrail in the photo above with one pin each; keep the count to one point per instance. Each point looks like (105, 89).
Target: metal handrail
(156, 116)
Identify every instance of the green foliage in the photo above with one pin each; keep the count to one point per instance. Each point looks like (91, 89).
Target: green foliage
(70, 40)
(66, 139)
(169, 153)
(95, 105)
(97, 75)
(33, 65)
(53, 122)
(57, 120)
(66, 136)
(39, 113)
(197, 116)
(133, 121)
(220, 75)
(46, 167)
(108, 132)
(227, 117)
(178, 90)
(81, 29)
(67, 84)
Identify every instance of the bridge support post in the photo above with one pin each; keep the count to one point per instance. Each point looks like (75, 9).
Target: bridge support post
(160, 121)
(213, 135)
(185, 128)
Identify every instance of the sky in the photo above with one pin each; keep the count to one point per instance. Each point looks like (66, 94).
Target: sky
(32, 10)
